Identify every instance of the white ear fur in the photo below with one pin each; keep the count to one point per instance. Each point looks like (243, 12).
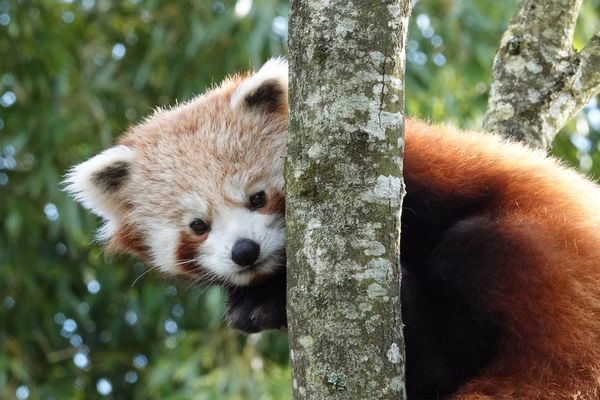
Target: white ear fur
(87, 185)
(274, 70)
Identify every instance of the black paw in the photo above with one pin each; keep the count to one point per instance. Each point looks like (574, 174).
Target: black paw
(258, 307)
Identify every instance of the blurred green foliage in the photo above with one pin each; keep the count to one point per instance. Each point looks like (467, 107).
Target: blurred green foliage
(73, 75)
(75, 324)
(450, 52)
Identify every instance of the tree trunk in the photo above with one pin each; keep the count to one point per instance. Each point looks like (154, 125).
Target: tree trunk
(344, 195)
(539, 82)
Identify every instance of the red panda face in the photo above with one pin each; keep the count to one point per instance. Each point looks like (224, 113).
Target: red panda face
(198, 189)
(240, 241)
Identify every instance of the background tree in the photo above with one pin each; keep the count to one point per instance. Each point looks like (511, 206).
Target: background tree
(343, 198)
(76, 73)
(539, 81)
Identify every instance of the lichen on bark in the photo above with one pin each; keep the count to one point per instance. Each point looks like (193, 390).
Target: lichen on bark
(344, 195)
(539, 81)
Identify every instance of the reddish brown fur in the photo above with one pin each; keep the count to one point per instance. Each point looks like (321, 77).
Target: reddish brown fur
(275, 203)
(546, 291)
(549, 301)
(187, 251)
(233, 143)
(127, 239)
(190, 161)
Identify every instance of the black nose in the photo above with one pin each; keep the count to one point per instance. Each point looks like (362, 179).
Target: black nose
(245, 252)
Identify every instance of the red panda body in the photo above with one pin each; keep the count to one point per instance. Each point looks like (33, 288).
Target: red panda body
(505, 235)
(501, 286)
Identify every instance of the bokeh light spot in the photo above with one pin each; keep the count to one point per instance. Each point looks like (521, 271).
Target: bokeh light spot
(104, 387)
(93, 286)
(59, 318)
(8, 302)
(60, 248)
(170, 326)
(242, 8)
(140, 361)
(439, 59)
(131, 318)
(51, 212)
(81, 360)
(69, 325)
(8, 98)
(280, 27)
(87, 4)
(131, 377)
(118, 51)
(76, 340)
(4, 19)
(68, 17)
(177, 310)
(218, 7)
(22, 392)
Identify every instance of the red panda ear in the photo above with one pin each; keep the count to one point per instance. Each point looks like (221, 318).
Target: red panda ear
(99, 182)
(266, 90)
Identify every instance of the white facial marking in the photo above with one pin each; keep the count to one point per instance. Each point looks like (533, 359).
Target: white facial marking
(233, 224)
(233, 188)
(195, 208)
(162, 239)
(227, 226)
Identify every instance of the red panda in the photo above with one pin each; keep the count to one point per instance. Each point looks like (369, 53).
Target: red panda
(501, 278)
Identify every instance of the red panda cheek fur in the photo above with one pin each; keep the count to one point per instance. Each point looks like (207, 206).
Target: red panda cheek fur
(128, 239)
(187, 253)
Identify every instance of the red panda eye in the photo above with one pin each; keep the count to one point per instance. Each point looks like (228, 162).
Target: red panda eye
(258, 200)
(199, 227)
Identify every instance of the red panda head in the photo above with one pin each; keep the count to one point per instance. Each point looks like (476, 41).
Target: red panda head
(197, 189)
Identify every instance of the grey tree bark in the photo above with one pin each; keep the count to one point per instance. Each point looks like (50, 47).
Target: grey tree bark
(344, 195)
(539, 82)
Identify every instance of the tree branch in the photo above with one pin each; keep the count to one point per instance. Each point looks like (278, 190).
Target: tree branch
(537, 77)
(589, 70)
(550, 22)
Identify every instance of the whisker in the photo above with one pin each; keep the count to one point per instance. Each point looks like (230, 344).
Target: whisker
(202, 291)
(185, 262)
(193, 283)
(143, 274)
(207, 276)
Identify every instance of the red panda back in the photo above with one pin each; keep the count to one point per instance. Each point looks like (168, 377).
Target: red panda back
(530, 245)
